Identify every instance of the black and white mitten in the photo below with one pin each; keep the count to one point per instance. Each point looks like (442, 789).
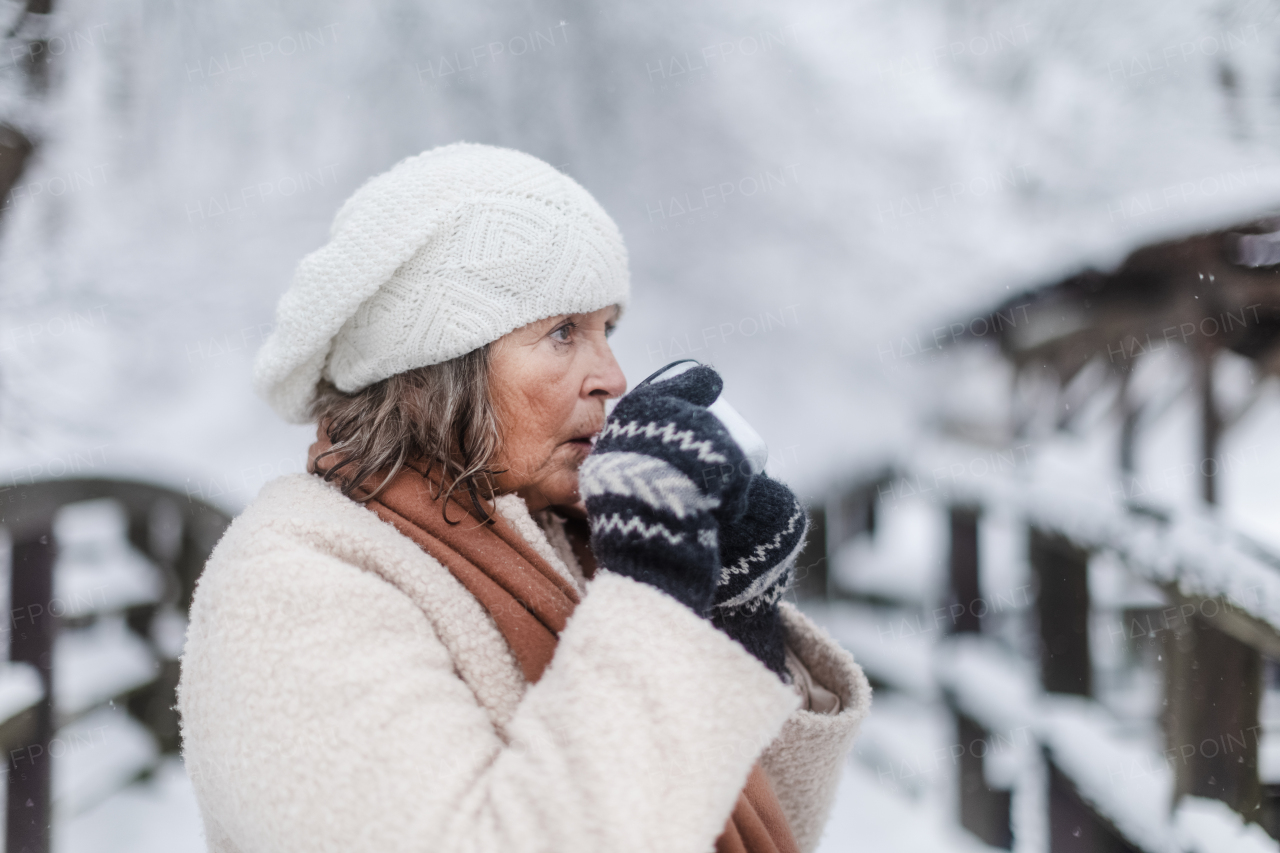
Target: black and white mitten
(758, 553)
(662, 477)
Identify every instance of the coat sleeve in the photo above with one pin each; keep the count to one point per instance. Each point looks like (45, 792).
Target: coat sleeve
(804, 763)
(322, 713)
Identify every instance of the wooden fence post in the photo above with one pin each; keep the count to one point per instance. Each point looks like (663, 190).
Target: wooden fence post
(1211, 427)
(983, 811)
(965, 592)
(1062, 602)
(31, 641)
(1074, 827)
(1213, 684)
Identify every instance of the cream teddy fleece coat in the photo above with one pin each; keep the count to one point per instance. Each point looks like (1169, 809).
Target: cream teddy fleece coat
(342, 691)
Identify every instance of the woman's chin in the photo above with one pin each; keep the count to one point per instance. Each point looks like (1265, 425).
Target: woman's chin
(560, 489)
(564, 495)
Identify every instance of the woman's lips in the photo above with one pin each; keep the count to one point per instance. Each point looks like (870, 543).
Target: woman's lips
(587, 440)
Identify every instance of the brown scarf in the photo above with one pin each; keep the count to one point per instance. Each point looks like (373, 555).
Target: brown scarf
(531, 602)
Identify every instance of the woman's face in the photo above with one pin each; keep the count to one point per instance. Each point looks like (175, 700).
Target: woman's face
(549, 382)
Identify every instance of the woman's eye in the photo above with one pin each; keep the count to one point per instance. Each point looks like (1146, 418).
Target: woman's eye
(563, 333)
(608, 331)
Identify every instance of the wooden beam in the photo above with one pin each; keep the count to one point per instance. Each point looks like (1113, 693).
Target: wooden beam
(1210, 427)
(31, 641)
(15, 150)
(1213, 685)
(17, 731)
(983, 811)
(1074, 825)
(1062, 601)
(1228, 618)
(965, 591)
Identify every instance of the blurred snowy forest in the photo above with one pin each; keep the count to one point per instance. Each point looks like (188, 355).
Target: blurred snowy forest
(805, 189)
(800, 186)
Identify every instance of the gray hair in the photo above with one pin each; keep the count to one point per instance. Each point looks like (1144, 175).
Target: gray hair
(440, 415)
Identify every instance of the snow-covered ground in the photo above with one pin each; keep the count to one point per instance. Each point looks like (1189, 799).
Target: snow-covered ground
(161, 816)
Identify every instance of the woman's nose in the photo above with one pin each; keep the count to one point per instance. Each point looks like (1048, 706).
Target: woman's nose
(606, 378)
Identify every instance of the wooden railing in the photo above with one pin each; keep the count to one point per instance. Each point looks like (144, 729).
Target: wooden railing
(1221, 619)
(173, 532)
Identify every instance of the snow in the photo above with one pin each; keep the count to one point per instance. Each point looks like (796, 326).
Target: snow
(1250, 459)
(97, 575)
(1002, 550)
(897, 564)
(1269, 756)
(158, 815)
(1059, 492)
(94, 664)
(1269, 742)
(1209, 826)
(867, 815)
(1111, 747)
(1125, 778)
(996, 689)
(891, 646)
(1112, 587)
(1129, 783)
(95, 756)
(97, 569)
(20, 688)
(873, 172)
(906, 742)
(169, 632)
(1121, 771)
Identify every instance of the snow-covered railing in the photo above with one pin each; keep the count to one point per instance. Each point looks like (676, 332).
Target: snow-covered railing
(101, 634)
(1221, 617)
(1193, 557)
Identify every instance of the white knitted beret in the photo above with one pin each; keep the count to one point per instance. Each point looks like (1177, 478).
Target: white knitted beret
(443, 253)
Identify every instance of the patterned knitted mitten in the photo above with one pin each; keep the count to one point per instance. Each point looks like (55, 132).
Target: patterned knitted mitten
(662, 477)
(758, 553)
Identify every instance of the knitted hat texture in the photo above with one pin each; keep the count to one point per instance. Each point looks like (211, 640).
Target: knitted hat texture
(443, 253)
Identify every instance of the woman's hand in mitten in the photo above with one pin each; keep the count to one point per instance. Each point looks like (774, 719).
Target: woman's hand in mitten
(662, 477)
(758, 553)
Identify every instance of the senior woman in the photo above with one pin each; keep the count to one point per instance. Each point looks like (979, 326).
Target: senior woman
(489, 618)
